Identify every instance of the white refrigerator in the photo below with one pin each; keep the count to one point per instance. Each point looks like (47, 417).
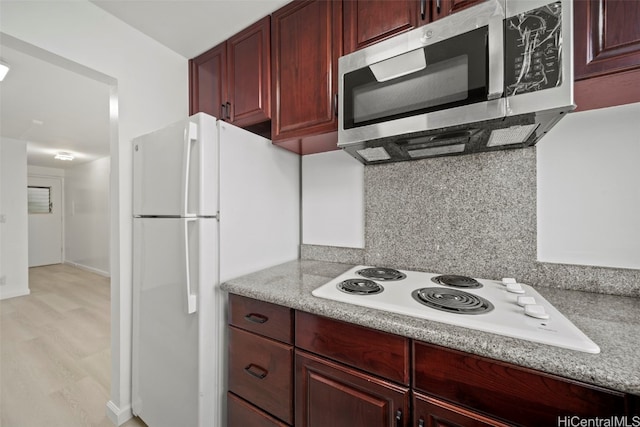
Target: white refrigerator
(210, 202)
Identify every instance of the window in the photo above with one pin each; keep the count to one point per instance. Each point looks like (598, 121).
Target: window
(39, 200)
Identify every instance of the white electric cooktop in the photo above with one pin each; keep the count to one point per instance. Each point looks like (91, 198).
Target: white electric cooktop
(501, 307)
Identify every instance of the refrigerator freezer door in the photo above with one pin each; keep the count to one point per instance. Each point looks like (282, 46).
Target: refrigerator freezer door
(175, 366)
(175, 169)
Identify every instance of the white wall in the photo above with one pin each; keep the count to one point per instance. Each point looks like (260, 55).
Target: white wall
(86, 220)
(14, 257)
(43, 171)
(332, 200)
(149, 90)
(589, 189)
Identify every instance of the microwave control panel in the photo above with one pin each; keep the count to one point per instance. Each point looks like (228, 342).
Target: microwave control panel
(533, 50)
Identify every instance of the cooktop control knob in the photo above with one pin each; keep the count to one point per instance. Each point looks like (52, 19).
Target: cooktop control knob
(516, 288)
(524, 300)
(535, 310)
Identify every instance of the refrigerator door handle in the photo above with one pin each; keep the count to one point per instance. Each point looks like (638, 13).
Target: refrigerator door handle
(191, 297)
(190, 136)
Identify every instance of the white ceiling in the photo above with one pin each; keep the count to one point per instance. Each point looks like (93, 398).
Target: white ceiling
(190, 27)
(55, 109)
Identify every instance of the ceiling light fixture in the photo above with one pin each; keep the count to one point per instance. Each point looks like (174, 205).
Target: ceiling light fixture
(4, 69)
(63, 155)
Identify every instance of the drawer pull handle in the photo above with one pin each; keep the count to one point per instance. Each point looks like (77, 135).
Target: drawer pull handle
(398, 418)
(256, 371)
(256, 318)
(421, 423)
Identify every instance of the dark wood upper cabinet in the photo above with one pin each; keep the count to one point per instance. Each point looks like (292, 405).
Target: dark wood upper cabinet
(607, 53)
(607, 37)
(306, 43)
(369, 21)
(232, 81)
(208, 81)
(249, 74)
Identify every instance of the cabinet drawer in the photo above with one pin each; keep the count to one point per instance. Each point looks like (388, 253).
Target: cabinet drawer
(271, 320)
(242, 413)
(377, 352)
(261, 371)
(430, 412)
(510, 392)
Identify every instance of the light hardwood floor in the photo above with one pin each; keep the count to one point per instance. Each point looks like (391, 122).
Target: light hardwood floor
(55, 360)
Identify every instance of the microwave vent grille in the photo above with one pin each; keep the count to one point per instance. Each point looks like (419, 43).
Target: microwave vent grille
(374, 154)
(512, 135)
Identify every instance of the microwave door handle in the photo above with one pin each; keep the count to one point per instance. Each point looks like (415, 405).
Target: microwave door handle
(496, 58)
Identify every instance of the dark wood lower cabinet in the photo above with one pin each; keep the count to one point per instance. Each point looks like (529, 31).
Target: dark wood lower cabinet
(514, 393)
(431, 412)
(243, 414)
(337, 374)
(330, 394)
(260, 372)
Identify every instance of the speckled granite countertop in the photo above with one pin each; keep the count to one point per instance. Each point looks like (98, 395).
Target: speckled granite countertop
(612, 322)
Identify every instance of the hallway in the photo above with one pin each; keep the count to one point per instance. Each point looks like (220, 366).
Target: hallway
(54, 351)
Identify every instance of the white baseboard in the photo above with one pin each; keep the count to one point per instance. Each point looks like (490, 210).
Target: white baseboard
(14, 293)
(118, 416)
(87, 268)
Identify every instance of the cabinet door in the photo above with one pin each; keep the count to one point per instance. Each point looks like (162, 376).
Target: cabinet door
(208, 82)
(369, 21)
(607, 53)
(307, 40)
(442, 8)
(249, 74)
(607, 37)
(329, 394)
(430, 412)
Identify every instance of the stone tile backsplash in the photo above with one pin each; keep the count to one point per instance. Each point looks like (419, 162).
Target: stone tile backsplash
(473, 215)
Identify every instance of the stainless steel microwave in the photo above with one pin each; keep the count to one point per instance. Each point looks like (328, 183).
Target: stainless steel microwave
(497, 75)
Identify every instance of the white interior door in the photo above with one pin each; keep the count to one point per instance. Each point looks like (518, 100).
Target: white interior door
(45, 222)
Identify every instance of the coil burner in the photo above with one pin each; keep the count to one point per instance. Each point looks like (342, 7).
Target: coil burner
(456, 281)
(381, 273)
(452, 300)
(360, 287)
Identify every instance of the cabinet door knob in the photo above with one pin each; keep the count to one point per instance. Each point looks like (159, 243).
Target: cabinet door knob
(421, 423)
(256, 318)
(256, 371)
(223, 114)
(423, 9)
(228, 111)
(398, 418)
(438, 6)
